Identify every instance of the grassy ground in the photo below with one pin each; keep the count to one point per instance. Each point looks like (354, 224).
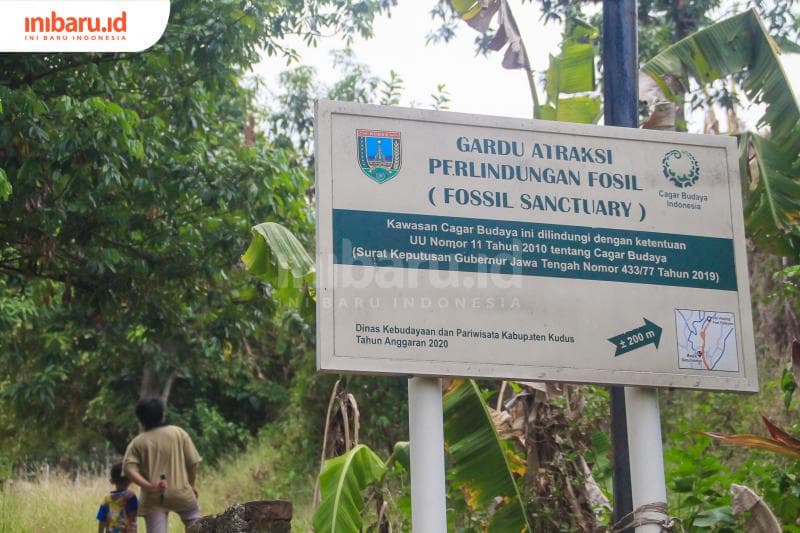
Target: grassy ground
(60, 505)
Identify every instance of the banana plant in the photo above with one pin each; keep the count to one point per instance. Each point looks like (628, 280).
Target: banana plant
(738, 45)
(572, 72)
(481, 460)
(277, 256)
(769, 165)
(772, 194)
(275, 253)
(343, 481)
(483, 465)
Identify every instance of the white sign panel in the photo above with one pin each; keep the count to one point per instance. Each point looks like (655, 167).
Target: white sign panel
(463, 245)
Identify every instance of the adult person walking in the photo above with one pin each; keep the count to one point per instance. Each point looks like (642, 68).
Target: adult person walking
(163, 461)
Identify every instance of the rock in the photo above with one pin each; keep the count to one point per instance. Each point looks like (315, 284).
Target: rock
(263, 516)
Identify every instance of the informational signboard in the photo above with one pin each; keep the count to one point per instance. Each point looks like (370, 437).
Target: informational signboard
(466, 245)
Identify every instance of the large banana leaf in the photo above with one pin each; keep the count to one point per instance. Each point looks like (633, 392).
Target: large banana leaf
(772, 197)
(479, 15)
(342, 483)
(740, 44)
(274, 252)
(478, 456)
(570, 72)
(736, 44)
(581, 109)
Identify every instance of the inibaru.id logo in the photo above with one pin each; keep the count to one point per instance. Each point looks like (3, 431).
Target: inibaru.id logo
(56, 27)
(57, 24)
(82, 25)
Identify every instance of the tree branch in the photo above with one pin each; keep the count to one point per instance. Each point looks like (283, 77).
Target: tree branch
(175, 374)
(97, 60)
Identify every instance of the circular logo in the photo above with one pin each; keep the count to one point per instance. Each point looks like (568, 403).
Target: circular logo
(681, 168)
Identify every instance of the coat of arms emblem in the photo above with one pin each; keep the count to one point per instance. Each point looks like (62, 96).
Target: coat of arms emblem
(379, 154)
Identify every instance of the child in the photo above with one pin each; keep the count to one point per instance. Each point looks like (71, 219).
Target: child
(117, 514)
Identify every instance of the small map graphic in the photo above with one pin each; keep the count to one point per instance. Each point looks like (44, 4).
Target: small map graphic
(706, 340)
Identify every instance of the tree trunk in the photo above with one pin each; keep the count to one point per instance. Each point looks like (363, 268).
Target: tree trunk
(154, 387)
(684, 25)
(149, 387)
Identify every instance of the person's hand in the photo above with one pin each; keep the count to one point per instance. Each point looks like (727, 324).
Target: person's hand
(161, 486)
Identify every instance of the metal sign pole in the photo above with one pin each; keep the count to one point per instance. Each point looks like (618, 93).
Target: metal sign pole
(638, 455)
(646, 454)
(621, 478)
(426, 433)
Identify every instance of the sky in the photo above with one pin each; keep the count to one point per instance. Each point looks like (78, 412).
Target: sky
(476, 84)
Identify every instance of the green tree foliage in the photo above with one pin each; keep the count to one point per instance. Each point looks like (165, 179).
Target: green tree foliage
(128, 183)
(291, 123)
(382, 400)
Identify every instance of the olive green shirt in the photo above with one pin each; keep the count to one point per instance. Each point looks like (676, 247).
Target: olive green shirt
(164, 450)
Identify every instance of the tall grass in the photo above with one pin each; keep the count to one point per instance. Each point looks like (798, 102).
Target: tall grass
(61, 505)
(54, 505)
(264, 471)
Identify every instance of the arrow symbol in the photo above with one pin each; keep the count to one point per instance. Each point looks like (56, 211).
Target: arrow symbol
(631, 340)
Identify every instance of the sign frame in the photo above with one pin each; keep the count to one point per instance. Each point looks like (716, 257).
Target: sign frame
(745, 381)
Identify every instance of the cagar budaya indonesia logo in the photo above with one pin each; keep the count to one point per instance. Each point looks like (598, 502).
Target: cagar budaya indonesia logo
(681, 168)
(379, 154)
